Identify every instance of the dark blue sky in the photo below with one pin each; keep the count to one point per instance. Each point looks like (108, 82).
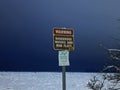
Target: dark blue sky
(26, 38)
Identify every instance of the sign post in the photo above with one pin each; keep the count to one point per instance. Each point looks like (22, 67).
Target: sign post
(63, 78)
(63, 40)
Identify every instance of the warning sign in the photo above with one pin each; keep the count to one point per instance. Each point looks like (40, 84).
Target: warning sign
(63, 39)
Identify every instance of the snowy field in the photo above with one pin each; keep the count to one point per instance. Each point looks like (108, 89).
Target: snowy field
(43, 80)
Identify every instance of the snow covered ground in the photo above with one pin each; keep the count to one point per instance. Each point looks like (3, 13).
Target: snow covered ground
(43, 80)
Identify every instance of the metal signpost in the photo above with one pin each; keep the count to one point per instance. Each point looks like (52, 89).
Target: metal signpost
(63, 40)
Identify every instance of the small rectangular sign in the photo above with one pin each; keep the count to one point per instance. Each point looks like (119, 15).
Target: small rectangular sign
(64, 58)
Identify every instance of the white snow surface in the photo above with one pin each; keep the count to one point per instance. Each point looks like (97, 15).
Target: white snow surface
(43, 80)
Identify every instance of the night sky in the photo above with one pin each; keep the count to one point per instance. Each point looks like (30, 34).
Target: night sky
(26, 33)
